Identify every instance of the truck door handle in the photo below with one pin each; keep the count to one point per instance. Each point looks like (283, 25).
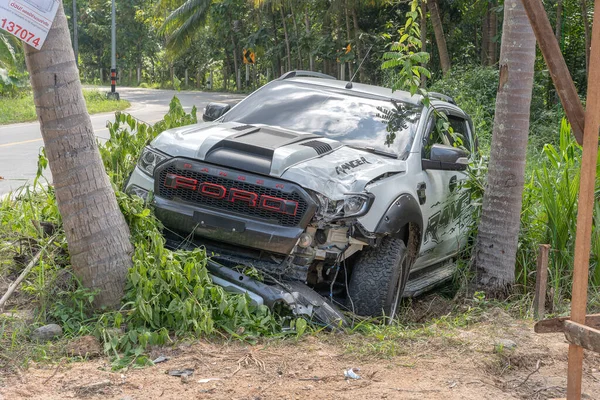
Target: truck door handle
(421, 193)
(453, 183)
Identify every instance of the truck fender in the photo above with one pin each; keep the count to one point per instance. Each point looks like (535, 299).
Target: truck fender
(403, 211)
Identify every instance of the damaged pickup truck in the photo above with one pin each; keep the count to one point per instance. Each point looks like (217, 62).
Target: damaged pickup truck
(346, 188)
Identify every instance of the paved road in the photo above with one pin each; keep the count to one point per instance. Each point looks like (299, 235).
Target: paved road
(21, 143)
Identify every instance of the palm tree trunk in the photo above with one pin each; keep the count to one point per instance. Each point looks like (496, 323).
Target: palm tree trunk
(496, 248)
(96, 232)
(440, 39)
(287, 40)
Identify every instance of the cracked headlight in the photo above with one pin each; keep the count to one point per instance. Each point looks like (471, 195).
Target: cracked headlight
(150, 159)
(353, 205)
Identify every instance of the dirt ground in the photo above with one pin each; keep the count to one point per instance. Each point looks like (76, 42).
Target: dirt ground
(452, 363)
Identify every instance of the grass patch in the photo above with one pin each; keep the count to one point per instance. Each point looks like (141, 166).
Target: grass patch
(22, 109)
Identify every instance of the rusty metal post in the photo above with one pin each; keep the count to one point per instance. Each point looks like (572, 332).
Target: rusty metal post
(541, 281)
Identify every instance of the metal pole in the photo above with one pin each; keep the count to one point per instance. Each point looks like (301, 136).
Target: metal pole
(75, 41)
(113, 56)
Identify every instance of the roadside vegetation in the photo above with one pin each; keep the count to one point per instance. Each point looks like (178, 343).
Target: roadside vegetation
(169, 296)
(19, 106)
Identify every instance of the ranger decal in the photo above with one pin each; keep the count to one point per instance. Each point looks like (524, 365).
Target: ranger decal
(341, 169)
(444, 217)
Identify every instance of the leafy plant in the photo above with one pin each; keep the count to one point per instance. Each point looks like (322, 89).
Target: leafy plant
(549, 216)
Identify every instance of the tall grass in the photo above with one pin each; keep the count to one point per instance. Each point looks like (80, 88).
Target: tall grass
(549, 216)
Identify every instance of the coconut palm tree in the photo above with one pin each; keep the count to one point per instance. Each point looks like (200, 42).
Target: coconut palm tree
(496, 248)
(96, 231)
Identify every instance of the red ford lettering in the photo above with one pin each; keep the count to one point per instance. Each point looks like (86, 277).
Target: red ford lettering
(219, 192)
(180, 182)
(213, 190)
(244, 196)
(276, 204)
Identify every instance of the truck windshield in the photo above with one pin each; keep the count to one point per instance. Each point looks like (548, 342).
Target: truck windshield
(362, 122)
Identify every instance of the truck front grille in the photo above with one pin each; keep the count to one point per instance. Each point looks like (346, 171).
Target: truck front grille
(192, 177)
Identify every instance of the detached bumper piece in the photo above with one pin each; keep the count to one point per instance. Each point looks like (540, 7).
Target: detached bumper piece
(302, 300)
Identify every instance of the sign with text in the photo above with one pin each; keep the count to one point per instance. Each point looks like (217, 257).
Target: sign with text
(28, 20)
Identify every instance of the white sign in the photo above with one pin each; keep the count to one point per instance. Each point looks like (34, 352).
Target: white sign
(28, 20)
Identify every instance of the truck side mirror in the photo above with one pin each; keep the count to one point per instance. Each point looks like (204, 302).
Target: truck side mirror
(215, 111)
(446, 158)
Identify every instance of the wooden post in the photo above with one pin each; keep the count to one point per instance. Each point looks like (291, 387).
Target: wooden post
(587, 182)
(582, 336)
(557, 66)
(541, 281)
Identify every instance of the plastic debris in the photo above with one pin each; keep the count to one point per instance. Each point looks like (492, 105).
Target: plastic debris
(350, 373)
(181, 372)
(206, 380)
(160, 359)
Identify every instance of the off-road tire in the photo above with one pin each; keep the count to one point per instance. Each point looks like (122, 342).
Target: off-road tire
(373, 285)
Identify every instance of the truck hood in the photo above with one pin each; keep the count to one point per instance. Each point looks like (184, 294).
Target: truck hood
(311, 161)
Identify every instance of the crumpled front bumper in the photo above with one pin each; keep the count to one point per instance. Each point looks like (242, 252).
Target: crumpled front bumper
(222, 227)
(302, 300)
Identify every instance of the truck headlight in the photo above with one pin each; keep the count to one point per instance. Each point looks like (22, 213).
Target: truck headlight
(150, 159)
(353, 205)
(357, 204)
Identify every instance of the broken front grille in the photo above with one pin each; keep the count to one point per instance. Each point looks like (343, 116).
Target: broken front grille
(241, 208)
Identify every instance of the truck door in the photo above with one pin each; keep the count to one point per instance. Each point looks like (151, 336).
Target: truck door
(445, 208)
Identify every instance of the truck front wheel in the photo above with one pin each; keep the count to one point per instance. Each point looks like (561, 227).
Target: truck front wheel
(378, 279)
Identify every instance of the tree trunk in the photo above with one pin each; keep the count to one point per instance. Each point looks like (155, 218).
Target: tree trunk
(586, 28)
(311, 58)
(238, 83)
(358, 44)
(492, 53)
(558, 27)
(96, 232)
(277, 64)
(423, 29)
(496, 248)
(349, 38)
(297, 33)
(287, 40)
(485, 38)
(440, 39)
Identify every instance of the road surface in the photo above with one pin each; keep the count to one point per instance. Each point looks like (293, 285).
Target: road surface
(20, 143)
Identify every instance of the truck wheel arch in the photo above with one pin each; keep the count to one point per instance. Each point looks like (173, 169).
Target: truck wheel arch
(403, 219)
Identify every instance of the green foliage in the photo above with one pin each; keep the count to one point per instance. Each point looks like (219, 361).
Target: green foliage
(474, 90)
(128, 136)
(549, 216)
(406, 57)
